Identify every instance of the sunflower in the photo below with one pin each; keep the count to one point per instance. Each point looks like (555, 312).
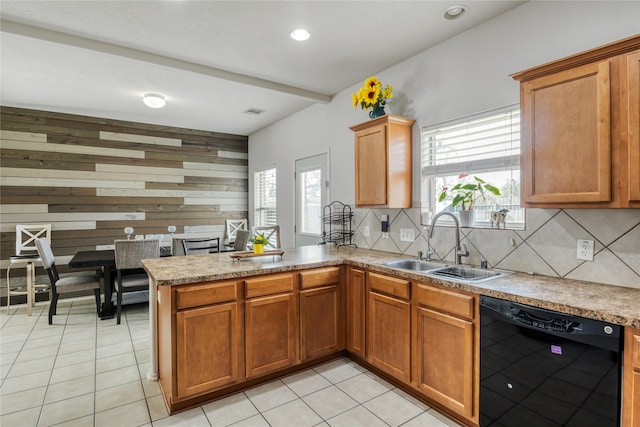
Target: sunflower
(372, 94)
(372, 82)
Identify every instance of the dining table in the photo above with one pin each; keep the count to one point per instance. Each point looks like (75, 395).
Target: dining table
(105, 259)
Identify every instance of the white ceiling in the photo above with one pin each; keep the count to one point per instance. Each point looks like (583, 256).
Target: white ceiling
(212, 60)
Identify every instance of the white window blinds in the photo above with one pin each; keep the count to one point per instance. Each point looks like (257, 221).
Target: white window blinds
(265, 197)
(490, 141)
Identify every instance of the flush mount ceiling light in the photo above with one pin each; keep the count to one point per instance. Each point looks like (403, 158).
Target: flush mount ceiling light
(154, 100)
(300, 35)
(454, 12)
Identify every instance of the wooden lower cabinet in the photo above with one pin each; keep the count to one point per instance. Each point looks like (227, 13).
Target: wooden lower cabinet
(271, 331)
(445, 348)
(319, 322)
(631, 379)
(389, 326)
(356, 319)
(207, 341)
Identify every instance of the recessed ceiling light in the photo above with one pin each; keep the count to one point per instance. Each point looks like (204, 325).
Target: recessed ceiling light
(454, 12)
(300, 35)
(154, 100)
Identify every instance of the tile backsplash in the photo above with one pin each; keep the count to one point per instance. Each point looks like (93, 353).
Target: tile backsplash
(547, 245)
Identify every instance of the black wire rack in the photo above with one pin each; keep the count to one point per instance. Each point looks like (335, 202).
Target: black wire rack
(336, 224)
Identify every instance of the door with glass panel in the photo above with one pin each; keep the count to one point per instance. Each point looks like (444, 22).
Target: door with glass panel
(311, 195)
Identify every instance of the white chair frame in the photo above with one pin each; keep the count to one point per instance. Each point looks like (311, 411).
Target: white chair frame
(27, 256)
(231, 228)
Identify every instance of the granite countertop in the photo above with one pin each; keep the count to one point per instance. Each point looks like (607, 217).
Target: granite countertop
(613, 304)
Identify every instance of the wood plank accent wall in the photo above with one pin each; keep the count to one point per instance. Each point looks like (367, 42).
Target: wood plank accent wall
(90, 177)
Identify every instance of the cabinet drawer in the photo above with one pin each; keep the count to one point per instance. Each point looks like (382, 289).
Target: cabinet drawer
(205, 294)
(388, 285)
(319, 277)
(446, 301)
(268, 285)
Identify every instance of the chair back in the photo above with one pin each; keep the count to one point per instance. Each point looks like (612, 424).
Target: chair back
(129, 253)
(209, 245)
(177, 248)
(48, 259)
(242, 237)
(26, 236)
(44, 250)
(272, 233)
(231, 228)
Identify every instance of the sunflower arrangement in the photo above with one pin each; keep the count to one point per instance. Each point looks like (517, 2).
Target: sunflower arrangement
(372, 94)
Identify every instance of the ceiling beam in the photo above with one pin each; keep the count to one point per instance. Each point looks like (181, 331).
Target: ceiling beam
(152, 58)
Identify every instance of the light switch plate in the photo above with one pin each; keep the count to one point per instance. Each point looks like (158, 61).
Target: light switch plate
(366, 231)
(585, 250)
(407, 235)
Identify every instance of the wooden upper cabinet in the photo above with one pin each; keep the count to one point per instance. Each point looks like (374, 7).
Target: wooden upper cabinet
(566, 148)
(633, 123)
(383, 157)
(580, 129)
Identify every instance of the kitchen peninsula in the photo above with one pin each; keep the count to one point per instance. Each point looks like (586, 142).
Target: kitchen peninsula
(220, 325)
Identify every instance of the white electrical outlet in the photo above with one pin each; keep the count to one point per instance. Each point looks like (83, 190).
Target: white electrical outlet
(407, 235)
(585, 249)
(366, 231)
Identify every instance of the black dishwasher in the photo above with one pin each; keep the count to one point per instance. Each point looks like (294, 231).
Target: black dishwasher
(541, 368)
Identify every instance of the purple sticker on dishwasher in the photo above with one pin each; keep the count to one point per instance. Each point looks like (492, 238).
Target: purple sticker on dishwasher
(556, 349)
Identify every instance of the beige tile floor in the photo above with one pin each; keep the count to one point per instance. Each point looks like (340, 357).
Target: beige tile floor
(82, 371)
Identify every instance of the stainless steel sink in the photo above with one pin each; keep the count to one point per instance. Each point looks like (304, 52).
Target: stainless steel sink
(454, 273)
(414, 264)
(467, 274)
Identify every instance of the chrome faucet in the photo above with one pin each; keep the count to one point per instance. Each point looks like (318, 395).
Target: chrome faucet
(460, 251)
(429, 253)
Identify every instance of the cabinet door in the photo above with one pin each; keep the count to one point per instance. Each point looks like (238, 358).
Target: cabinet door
(371, 166)
(270, 333)
(207, 342)
(388, 335)
(631, 379)
(356, 301)
(566, 146)
(319, 322)
(633, 105)
(444, 349)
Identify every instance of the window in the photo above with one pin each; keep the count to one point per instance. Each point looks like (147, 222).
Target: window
(311, 201)
(486, 145)
(265, 197)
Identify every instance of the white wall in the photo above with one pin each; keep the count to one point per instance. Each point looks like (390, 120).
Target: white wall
(464, 75)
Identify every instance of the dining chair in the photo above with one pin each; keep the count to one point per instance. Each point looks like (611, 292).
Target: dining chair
(128, 254)
(242, 237)
(231, 227)
(272, 233)
(27, 256)
(66, 283)
(195, 246)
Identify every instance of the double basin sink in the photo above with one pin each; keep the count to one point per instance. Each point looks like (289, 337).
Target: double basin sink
(455, 273)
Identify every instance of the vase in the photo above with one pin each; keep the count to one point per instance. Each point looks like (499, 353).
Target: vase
(376, 112)
(258, 248)
(466, 218)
